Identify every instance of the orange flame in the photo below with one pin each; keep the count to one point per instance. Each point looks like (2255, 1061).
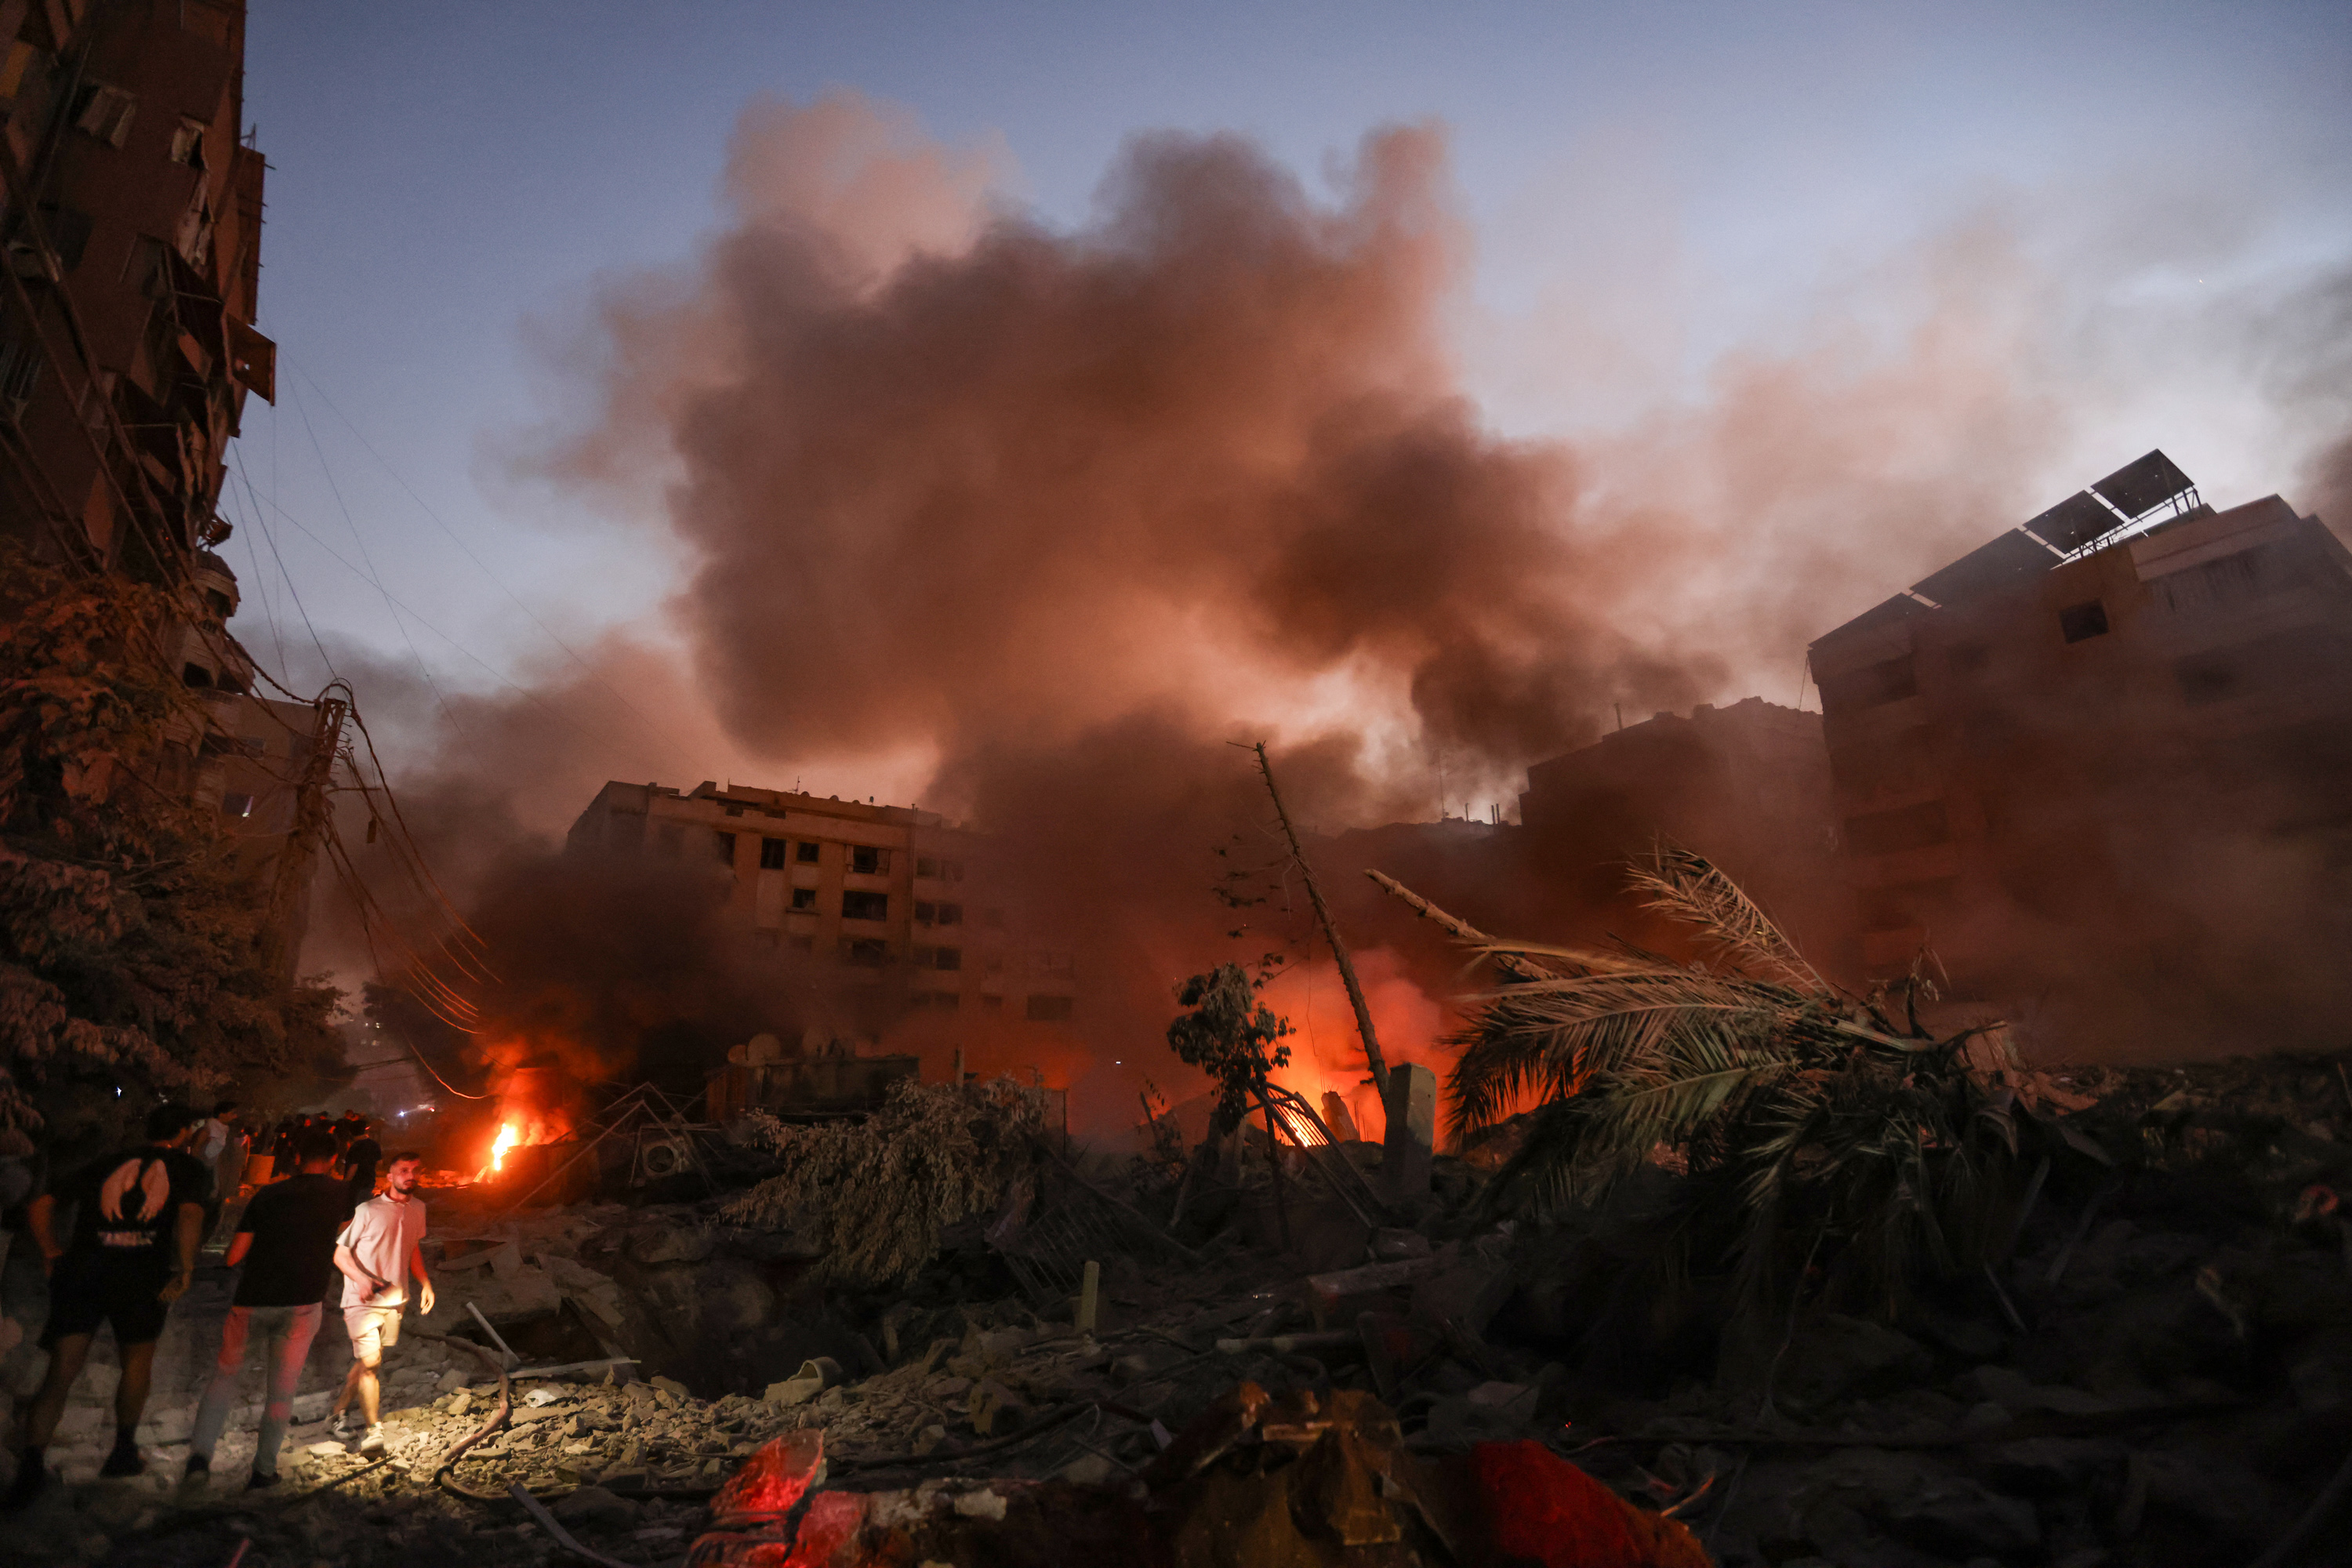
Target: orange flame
(508, 1137)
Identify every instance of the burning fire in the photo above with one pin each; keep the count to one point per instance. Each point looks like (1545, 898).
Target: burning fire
(509, 1136)
(535, 1107)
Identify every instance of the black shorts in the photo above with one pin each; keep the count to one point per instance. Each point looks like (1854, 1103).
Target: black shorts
(86, 1292)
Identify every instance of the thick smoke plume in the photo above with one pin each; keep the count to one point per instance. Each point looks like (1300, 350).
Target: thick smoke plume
(1203, 457)
(1023, 523)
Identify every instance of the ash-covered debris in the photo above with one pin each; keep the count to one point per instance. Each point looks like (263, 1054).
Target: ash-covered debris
(2154, 1369)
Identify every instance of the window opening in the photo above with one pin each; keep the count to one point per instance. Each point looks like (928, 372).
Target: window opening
(2080, 623)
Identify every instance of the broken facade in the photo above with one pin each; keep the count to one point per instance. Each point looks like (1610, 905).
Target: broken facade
(131, 214)
(133, 231)
(896, 900)
(1748, 784)
(2107, 749)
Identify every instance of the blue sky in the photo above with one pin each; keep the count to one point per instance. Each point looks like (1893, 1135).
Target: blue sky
(1689, 179)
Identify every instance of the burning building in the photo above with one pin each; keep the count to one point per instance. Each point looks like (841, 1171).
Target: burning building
(894, 903)
(2102, 757)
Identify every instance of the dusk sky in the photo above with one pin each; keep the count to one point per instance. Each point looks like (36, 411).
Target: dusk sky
(2146, 205)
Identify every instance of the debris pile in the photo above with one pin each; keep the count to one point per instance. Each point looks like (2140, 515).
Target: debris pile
(2149, 1367)
(1257, 1479)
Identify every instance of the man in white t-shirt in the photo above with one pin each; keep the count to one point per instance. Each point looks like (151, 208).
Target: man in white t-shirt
(376, 1252)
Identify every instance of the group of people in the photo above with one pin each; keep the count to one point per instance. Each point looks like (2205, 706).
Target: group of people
(139, 1221)
(238, 1156)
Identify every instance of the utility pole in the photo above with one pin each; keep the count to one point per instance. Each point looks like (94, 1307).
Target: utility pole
(1331, 933)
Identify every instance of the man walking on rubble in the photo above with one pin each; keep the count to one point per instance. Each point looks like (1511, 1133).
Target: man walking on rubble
(140, 1217)
(381, 1245)
(286, 1242)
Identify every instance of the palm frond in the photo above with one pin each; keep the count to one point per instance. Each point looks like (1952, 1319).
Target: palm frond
(1693, 889)
(1825, 1127)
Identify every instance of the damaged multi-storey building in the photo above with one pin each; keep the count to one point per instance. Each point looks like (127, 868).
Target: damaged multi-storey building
(133, 232)
(894, 906)
(2099, 763)
(133, 225)
(1748, 781)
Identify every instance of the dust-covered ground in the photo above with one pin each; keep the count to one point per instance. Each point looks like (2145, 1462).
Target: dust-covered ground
(2158, 1373)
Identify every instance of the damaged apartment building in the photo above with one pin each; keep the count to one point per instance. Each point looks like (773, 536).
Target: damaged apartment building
(131, 219)
(2097, 767)
(1747, 783)
(133, 234)
(896, 900)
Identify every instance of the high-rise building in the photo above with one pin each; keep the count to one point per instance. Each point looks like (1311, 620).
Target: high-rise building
(2098, 767)
(131, 208)
(133, 227)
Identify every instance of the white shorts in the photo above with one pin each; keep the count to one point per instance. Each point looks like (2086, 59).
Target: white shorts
(374, 1330)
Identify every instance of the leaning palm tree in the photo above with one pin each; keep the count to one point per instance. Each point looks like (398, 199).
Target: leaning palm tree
(1815, 1122)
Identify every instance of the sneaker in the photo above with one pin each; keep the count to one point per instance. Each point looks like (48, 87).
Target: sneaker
(260, 1480)
(374, 1442)
(126, 1460)
(340, 1425)
(199, 1464)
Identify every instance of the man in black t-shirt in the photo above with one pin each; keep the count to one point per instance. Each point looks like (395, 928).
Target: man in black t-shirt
(360, 1158)
(140, 1218)
(286, 1242)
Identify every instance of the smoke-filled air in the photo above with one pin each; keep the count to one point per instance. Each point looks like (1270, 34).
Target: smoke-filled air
(1022, 524)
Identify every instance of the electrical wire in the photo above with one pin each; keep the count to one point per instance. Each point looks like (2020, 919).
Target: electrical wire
(402, 626)
(653, 730)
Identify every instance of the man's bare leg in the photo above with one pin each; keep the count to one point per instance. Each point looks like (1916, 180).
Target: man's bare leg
(361, 1381)
(131, 1394)
(49, 1405)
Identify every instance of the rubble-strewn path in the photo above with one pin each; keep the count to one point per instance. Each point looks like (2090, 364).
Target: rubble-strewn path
(2159, 1375)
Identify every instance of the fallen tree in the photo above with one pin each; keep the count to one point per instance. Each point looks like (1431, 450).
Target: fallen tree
(874, 1196)
(1818, 1129)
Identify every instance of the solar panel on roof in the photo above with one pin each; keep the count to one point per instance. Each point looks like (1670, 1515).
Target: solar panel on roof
(1886, 614)
(2074, 521)
(2009, 559)
(2139, 487)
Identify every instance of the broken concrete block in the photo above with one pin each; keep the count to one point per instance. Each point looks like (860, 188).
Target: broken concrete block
(1336, 1298)
(670, 1244)
(1833, 1356)
(991, 1408)
(816, 1374)
(1957, 1518)
(1087, 1470)
(2015, 1392)
(1340, 1118)
(1466, 1292)
(451, 1381)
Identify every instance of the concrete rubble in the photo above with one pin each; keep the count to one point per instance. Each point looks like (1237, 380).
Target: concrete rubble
(2159, 1374)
